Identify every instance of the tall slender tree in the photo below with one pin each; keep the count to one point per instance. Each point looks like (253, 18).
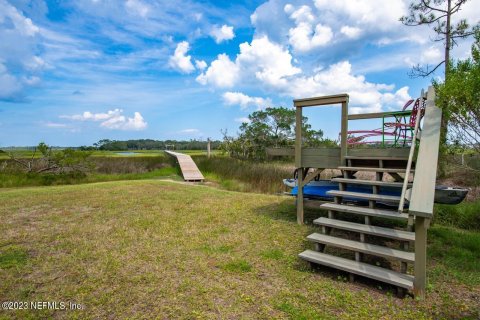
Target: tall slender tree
(438, 13)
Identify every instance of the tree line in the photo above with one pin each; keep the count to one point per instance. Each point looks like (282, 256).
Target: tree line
(150, 144)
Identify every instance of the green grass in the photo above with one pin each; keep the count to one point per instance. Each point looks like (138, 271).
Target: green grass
(465, 215)
(12, 257)
(457, 253)
(157, 249)
(10, 180)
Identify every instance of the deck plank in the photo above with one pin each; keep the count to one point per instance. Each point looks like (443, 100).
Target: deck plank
(188, 167)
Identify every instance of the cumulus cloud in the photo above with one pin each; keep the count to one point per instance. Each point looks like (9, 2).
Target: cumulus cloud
(261, 59)
(222, 33)
(306, 36)
(180, 60)
(315, 24)
(200, 64)
(112, 119)
(268, 66)
(221, 73)
(244, 101)
(351, 32)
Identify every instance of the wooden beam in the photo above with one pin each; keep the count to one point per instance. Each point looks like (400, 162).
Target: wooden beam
(420, 280)
(321, 101)
(423, 190)
(343, 142)
(298, 164)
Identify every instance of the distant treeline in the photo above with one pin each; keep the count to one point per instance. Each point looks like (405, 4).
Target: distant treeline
(149, 144)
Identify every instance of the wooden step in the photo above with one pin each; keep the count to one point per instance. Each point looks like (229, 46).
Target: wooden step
(390, 214)
(377, 158)
(367, 229)
(373, 169)
(361, 195)
(359, 268)
(371, 182)
(363, 247)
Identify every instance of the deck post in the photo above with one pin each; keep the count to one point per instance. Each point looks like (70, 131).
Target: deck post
(343, 143)
(420, 281)
(298, 163)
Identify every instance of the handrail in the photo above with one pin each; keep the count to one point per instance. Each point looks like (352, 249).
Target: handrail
(423, 190)
(376, 115)
(410, 155)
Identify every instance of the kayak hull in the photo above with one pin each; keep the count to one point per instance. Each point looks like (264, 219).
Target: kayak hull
(319, 189)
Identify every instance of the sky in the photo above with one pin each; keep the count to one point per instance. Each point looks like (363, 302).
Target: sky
(74, 72)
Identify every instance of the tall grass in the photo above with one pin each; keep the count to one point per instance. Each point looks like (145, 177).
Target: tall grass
(239, 175)
(465, 215)
(106, 169)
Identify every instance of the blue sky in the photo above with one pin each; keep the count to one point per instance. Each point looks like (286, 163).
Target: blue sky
(75, 72)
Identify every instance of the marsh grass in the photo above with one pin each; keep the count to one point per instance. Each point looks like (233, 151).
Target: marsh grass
(157, 249)
(105, 169)
(247, 176)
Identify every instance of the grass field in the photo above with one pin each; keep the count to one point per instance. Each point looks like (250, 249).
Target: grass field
(166, 250)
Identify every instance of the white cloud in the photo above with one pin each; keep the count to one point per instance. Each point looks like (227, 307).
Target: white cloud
(242, 120)
(268, 66)
(222, 33)
(200, 64)
(221, 73)
(137, 7)
(261, 59)
(113, 119)
(180, 60)
(374, 14)
(20, 23)
(18, 62)
(56, 125)
(351, 32)
(191, 131)
(337, 78)
(244, 101)
(303, 37)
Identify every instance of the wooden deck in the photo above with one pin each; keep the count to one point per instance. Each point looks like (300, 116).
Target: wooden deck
(189, 169)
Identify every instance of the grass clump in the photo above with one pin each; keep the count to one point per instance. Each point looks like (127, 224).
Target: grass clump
(238, 266)
(13, 257)
(273, 254)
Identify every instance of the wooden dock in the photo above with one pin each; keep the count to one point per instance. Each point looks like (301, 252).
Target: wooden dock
(189, 169)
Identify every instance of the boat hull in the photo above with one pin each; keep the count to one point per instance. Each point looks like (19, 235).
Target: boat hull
(319, 189)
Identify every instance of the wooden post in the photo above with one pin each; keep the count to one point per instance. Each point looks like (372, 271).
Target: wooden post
(298, 164)
(343, 143)
(420, 281)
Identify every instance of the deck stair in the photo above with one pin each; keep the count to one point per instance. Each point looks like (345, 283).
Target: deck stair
(377, 213)
(378, 220)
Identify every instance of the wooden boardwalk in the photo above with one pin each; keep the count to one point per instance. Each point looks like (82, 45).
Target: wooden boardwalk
(189, 169)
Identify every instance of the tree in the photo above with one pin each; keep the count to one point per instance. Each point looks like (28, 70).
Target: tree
(439, 14)
(459, 97)
(272, 127)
